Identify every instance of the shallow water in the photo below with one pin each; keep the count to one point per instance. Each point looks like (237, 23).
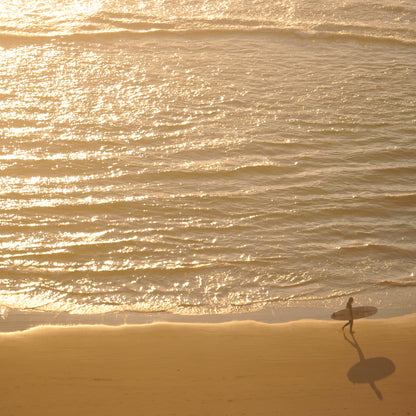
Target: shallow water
(206, 157)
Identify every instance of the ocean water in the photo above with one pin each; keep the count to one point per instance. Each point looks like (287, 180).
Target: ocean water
(207, 157)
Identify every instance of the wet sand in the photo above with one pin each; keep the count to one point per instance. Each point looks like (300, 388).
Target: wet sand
(235, 368)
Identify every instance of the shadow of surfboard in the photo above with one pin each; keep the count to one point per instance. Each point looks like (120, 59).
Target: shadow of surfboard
(369, 370)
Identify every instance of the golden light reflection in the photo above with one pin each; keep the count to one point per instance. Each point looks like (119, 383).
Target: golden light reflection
(27, 15)
(142, 153)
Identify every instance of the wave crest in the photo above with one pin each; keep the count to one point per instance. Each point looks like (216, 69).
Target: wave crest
(101, 29)
(392, 283)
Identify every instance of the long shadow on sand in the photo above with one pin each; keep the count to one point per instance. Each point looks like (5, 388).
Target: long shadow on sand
(369, 370)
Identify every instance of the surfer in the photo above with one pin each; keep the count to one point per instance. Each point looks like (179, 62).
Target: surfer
(351, 321)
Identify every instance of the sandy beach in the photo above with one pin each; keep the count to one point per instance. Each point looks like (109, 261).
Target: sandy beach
(237, 368)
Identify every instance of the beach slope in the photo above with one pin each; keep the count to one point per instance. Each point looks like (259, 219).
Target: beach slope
(237, 368)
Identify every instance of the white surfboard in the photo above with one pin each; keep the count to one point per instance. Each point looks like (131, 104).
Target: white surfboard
(357, 313)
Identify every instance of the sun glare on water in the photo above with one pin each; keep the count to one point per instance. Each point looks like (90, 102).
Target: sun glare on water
(41, 15)
(205, 156)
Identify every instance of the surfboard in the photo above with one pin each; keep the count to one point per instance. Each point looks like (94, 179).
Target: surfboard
(357, 313)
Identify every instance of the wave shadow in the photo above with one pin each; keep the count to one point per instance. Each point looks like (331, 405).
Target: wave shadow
(369, 370)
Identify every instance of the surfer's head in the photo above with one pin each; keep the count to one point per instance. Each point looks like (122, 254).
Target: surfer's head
(350, 300)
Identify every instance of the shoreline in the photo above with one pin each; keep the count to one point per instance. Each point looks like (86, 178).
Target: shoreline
(305, 367)
(12, 320)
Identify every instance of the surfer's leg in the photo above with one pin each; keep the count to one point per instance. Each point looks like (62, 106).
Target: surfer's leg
(351, 323)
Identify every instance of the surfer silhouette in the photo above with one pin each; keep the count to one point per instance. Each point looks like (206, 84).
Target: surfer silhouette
(351, 321)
